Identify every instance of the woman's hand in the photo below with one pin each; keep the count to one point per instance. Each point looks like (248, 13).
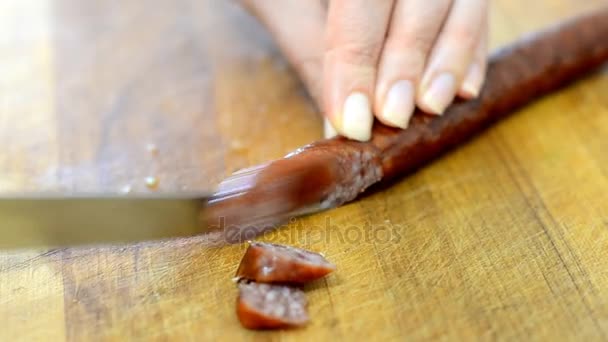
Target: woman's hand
(384, 57)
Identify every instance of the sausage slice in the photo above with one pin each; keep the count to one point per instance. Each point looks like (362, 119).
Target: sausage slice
(268, 306)
(271, 263)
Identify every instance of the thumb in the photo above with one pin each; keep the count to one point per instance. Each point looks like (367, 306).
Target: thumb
(298, 28)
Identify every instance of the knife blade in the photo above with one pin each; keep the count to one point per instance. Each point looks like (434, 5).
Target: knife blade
(49, 221)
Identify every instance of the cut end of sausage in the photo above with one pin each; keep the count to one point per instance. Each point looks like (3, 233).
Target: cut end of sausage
(266, 306)
(272, 263)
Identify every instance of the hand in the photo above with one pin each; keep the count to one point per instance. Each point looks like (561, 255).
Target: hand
(359, 57)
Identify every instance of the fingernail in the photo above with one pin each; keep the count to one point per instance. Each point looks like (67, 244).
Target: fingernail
(472, 82)
(328, 129)
(440, 93)
(399, 104)
(357, 117)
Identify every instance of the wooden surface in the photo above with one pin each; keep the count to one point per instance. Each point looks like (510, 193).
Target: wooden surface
(504, 239)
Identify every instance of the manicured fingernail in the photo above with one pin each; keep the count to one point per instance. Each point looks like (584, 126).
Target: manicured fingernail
(399, 104)
(357, 118)
(328, 129)
(440, 93)
(472, 82)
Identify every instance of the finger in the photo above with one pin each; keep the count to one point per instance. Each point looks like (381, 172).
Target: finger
(451, 55)
(328, 129)
(414, 27)
(476, 74)
(297, 27)
(355, 36)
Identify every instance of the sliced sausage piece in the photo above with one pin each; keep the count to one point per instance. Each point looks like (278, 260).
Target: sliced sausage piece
(268, 306)
(272, 263)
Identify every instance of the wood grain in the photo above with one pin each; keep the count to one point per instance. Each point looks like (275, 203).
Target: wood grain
(506, 238)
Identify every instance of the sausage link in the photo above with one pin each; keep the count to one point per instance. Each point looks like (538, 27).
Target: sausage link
(329, 173)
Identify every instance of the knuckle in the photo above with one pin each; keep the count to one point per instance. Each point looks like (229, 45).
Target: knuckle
(357, 53)
(407, 55)
(411, 41)
(464, 35)
(408, 64)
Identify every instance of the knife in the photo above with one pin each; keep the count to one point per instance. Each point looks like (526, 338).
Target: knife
(54, 221)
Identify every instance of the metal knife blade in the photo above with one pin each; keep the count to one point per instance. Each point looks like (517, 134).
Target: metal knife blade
(36, 221)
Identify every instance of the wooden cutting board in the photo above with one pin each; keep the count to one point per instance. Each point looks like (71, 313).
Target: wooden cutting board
(506, 238)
